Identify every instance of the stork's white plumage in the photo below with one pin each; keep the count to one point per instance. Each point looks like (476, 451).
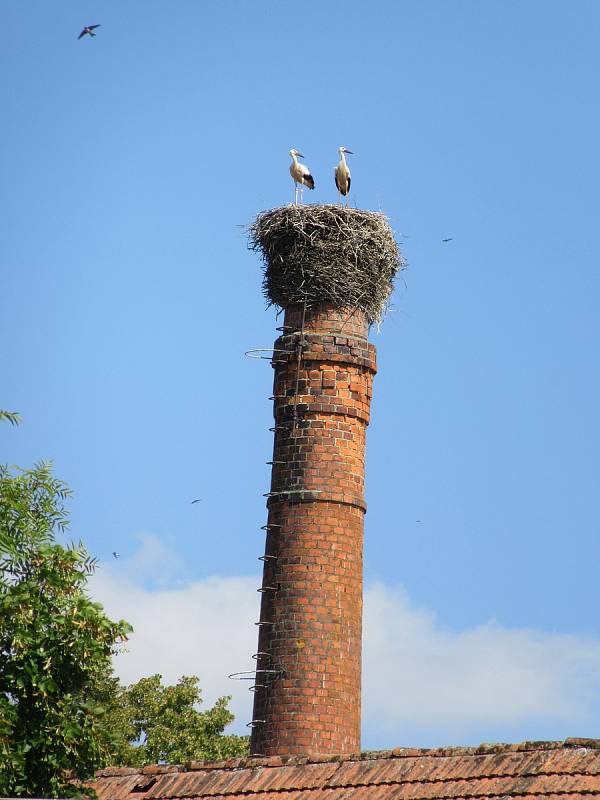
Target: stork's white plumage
(342, 176)
(300, 174)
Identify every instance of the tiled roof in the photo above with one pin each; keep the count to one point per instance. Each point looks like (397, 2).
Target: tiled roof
(566, 770)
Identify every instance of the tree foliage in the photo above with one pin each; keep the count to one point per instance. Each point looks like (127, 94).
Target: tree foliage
(154, 724)
(62, 711)
(55, 644)
(10, 416)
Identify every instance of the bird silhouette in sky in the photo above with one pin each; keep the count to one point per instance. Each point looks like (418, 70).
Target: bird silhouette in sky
(448, 240)
(199, 500)
(88, 31)
(115, 554)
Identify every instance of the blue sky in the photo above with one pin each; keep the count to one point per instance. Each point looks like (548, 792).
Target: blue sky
(129, 164)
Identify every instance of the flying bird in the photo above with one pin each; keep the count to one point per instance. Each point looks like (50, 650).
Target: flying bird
(199, 500)
(300, 174)
(448, 240)
(88, 31)
(342, 176)
(115, 554)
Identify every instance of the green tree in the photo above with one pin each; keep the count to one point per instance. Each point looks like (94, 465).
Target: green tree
(10, 416)
(55, 644)
(153, 723)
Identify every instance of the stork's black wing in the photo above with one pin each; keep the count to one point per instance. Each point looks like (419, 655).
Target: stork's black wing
(83, 33)
(91, 27)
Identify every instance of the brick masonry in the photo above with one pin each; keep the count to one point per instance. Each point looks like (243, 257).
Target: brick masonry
(307, 693)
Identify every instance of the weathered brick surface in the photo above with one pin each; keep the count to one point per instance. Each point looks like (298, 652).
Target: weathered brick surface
(307, 697)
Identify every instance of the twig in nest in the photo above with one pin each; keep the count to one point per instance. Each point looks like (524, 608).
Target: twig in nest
(327, 253)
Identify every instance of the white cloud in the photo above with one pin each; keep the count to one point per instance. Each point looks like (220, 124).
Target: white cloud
(420, 681)
(205, 628)
(155, 561)
(419, 676)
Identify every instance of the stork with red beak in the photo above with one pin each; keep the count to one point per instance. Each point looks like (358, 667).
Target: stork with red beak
(342, 176)
(301, 175)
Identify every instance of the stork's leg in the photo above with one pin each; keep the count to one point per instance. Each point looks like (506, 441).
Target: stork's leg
(295, 194)
(339, 198)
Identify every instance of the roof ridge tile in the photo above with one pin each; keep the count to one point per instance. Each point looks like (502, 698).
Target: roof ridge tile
(254, 762)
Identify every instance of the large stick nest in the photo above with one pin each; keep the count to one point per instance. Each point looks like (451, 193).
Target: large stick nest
(327, 254)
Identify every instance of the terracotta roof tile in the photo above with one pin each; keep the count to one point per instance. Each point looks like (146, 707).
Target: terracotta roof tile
(160, 769)
(117, 787)
(567, 770)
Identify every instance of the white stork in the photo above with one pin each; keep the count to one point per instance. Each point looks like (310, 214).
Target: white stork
(301, 175)
(342, 176)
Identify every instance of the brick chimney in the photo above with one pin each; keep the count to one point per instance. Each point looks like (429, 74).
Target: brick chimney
(308, 662)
